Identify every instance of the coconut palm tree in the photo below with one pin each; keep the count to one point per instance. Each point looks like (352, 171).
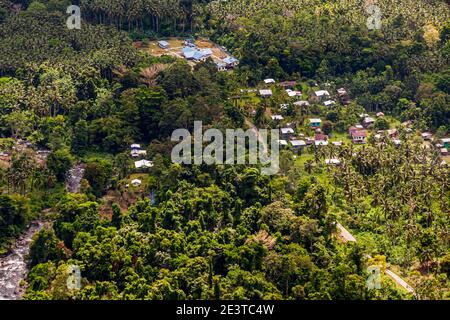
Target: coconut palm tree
(148, 76)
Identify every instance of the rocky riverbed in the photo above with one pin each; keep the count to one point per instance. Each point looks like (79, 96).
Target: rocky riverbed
(13, 266)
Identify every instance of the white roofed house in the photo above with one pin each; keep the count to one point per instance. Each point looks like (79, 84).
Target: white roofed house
(286, 133)
(427, 135)
(221, 66)
(193, 53)
(189, 52)
(319, 143)
(329, 103)
(135, 153)
(143, 164)
(163, 44)
(293, 93)
(269, 81)
(277, 117)
(334, 162)
(322, 94)
(138, 153)
(136, 182)
(265, 93)
(283, 143)
(202, 55)
(298, 145)
(301, 103)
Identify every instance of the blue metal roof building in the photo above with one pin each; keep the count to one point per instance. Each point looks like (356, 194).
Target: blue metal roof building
(163, 44)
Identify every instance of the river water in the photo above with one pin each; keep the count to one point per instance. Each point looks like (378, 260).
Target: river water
(74, 176)
(13, 266)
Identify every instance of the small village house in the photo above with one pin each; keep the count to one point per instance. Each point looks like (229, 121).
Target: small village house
(4, 156)
(221, 66)
(315, 123)
(445, 142)
(321, 140)
(136, 182)
(322, 94)
(357, 135)
(192, 53)
(189, 43)
(143, 164)
(368, 121)
(392, 133)
(277, 117)
(333, 161)
(188, 52)
(269, 81)
(163, 44)
(231, 62)
(309, 141)
(293, 94)
(202, 55)
(288, 84)
(329, 103)
(302, 103)
(321, 137)
(265, 93)
(298, 146)
(343, 96)
(320, 143)
(135, 153)
(407, 124)
(286, 133)
(282, 143)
